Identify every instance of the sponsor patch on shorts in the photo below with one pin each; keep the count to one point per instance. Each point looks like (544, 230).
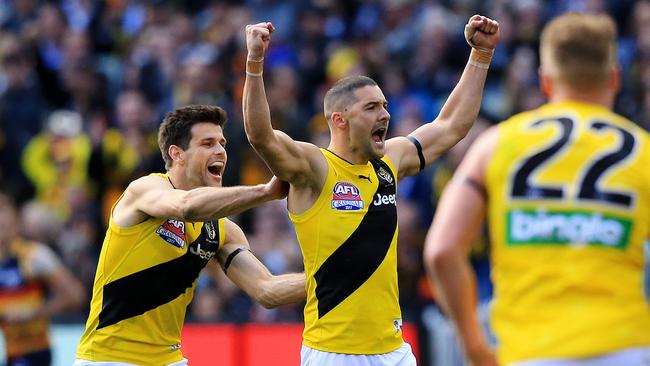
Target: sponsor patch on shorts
(346, 197)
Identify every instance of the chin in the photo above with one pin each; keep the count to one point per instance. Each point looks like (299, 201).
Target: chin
(378, 153)
(213, 181)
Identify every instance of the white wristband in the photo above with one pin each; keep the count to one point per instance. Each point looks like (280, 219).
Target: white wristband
(479, 64)
(254, 74)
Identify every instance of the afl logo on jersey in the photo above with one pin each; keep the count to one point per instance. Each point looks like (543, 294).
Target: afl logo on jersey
(173, 232)
(346, 196)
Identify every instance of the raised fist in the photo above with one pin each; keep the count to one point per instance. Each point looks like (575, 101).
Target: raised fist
(482, 33)
(258, 37)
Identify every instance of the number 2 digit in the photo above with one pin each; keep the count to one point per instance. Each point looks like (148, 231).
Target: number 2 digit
(589, 190)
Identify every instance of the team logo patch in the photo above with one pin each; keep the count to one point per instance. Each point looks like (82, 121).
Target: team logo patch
(173, 232)
(210, 230)
(346, 196)
(397, 325)
(383, 174)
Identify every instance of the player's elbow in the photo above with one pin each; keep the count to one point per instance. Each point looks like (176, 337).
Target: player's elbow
(455, 130)
(266, 297)
(436, 256)
(78, 299)
(258, 137)
(74, 296)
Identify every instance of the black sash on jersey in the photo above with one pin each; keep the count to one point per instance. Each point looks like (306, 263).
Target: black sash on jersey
(360, 255)
(150, 288)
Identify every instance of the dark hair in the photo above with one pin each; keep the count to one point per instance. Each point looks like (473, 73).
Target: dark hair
(176, 128)
(341, 94)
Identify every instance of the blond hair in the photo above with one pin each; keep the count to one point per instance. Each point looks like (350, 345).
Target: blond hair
(579, 50)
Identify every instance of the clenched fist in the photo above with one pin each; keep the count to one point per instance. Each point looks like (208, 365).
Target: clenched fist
(482, 33)
(258, 37)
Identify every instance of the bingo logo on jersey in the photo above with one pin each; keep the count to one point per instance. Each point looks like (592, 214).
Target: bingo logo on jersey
(346, 197)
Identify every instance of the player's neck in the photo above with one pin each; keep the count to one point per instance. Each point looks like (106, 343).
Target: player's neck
(347, 154)
(177, 179)
(601, 97)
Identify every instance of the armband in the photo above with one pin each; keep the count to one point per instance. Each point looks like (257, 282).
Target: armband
(231, 256)
(418, 147)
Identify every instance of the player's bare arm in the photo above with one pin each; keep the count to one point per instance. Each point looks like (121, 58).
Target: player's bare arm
(249, 274)
(448, 244)
(459, 111)
(298, 163)
(154, 196)
(67, 292)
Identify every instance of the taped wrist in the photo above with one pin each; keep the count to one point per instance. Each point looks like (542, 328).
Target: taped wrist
(254, 67)
(480, 58)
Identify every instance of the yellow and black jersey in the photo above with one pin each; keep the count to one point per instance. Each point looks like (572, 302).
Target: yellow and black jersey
(567, 228)
(145, 279)
(348, 240)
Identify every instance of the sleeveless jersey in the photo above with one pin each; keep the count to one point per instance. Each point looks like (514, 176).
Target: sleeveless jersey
(19, 289)
(568, 225)
(348, 240)
(145, 279)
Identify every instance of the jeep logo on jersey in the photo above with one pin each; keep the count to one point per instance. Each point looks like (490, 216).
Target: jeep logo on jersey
(203, 254)
(209, 228)
(346, 196)
(383, 174)
(173, 232)
(384, 199)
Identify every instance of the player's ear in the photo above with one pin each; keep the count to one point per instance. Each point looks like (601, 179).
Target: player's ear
(615, 78)
(176, 153)
(545, 83)
(338, 120)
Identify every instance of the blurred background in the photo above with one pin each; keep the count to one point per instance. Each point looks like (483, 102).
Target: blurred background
(84, 85)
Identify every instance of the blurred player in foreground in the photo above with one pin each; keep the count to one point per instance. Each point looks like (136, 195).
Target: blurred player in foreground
(566, 190)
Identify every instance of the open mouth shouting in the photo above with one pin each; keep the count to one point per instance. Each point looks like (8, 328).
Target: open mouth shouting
(216, 168)
(379, 135)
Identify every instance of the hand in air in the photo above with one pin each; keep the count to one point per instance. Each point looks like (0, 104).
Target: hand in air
(258, 37)
(482, 33)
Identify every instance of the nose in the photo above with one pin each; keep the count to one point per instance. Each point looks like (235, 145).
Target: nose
(220, 150)
(384, 114)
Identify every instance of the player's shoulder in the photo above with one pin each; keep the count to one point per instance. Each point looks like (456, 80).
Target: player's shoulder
(529, 116)
(154, 180)
(37, 258)
(232, 232)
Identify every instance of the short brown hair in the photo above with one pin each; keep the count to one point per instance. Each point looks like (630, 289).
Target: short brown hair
(341, 94)
(579, 49)
(176, 128)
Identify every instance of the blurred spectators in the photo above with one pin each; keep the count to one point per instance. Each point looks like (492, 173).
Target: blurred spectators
(34, 285)
(84, 84)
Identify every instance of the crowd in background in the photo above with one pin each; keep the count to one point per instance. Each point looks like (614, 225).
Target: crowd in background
(84, 85)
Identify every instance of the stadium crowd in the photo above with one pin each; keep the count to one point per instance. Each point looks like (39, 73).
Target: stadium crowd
(84, 85)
